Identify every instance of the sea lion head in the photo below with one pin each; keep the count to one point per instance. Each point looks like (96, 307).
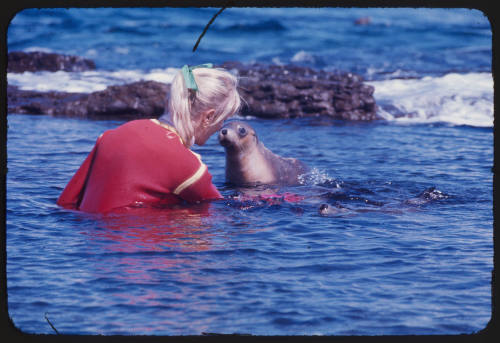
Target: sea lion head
(237, 136)
(331, 210)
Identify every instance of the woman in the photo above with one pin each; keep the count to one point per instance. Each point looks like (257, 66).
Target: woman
(148, 162)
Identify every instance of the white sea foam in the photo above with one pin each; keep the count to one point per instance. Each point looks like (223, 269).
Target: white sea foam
(303, 56)
(85, 82)
(317, 176)
(38, 49)
(458, 99)
(240, 117)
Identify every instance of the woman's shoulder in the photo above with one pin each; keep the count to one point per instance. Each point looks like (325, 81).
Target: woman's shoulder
(151, 127)
(158, 136)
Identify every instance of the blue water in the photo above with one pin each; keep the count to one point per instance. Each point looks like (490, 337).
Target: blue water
(390, 261)
(414, 42)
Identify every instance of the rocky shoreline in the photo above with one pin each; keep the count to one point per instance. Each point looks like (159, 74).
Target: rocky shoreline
(19, 62)
(269, 91)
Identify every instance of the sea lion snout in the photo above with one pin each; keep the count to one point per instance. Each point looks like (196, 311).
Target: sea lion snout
(225, 138)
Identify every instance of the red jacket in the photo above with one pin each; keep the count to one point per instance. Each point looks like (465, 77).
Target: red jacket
(142, 162)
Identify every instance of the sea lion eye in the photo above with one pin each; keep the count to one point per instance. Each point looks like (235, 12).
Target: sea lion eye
(242, 131)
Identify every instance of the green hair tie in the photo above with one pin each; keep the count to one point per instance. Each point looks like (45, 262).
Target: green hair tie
(187, 72)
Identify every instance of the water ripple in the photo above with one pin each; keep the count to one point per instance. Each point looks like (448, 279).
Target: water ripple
(395, 268)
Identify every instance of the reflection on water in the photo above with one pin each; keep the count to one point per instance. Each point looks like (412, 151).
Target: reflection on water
(143, 243)
(150, 229)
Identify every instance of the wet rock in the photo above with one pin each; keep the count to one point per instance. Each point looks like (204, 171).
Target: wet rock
(138, 99)
(19, 62)
(269, 91)
(272, 91)
(32, 102)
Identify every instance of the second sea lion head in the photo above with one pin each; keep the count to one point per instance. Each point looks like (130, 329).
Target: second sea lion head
(237, 136)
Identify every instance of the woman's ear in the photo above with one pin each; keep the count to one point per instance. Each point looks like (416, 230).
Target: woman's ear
(208, 117)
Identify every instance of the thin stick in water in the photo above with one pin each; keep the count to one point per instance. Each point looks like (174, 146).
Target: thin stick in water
(52, 326)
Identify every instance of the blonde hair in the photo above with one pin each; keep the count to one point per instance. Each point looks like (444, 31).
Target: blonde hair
(216, 90)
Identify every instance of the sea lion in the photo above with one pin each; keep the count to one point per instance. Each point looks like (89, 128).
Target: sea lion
(249, 162)
(328, 210)
(428, 195)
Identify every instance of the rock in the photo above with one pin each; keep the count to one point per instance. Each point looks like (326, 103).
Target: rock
(32, 102)
(135, 100)
(291, 91)
(19, 62)
(269, 91)
(140, 99)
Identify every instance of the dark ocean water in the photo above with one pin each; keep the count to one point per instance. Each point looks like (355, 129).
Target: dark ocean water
(409, 250)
